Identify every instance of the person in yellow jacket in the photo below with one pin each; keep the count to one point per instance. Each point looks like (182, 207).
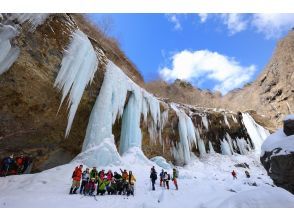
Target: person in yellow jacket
(131, 180)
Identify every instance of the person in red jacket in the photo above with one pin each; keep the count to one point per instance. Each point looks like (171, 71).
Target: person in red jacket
(76, 176)
(234, 174)
(20, 163)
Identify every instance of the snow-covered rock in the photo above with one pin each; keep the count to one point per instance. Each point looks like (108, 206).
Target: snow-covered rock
(289, 125)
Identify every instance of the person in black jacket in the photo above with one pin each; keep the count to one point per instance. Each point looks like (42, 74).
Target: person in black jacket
(153, 177)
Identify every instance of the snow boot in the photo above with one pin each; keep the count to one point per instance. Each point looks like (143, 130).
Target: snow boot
(70, 192)
(75, 191)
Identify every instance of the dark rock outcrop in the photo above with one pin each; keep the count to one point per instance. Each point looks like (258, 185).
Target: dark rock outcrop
(289, 127)
(280, 168)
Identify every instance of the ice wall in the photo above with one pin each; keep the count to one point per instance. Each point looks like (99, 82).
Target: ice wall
(111, 104)
(256, 132)
(78, 67)
(8, 53)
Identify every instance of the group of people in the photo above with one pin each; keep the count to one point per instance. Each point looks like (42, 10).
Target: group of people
(12, 166)
(164, 178)
(98, 183)
(234, 174)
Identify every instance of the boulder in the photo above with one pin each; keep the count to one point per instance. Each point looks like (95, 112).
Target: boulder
(289, 127)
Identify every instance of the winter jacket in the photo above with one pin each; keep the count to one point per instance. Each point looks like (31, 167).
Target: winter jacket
(85, 176)
(117, 176)
(102, 183)
(153, 176)
(7, 161)
(19, 161)
(94, 174)
(175, 174)
(109, 176)
(77, 174)
(125, 175)
(131, 179)
(90, 187)
(161, 175)
(101, 174)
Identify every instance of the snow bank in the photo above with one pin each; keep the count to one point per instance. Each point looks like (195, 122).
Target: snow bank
(256, 132)
(8, 54)
(263, 197)
(278, 140)
(160, 161)
(78, 68)
(289, 117)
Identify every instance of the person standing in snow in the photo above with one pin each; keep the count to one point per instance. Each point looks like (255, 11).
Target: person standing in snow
(20, 163)
(175, 177)
(90, 187)
(166, 179)
(161, 178)
(94, 174)
(131, 183)
(76, 176)
(124, 174)
(7, 163)
(234, 174)
(85, 180)
(153, 177)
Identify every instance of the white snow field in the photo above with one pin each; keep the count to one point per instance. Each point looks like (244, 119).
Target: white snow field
(206, 182)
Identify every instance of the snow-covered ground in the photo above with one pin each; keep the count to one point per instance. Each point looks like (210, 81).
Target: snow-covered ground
(207, 182)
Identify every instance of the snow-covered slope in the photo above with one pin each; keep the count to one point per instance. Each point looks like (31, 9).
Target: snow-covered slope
(204, 183)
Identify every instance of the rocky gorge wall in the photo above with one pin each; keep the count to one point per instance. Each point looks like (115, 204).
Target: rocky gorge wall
(32, 123)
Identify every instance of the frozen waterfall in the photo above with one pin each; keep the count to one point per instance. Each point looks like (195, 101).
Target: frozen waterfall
(78, 68)
(256, 132)
(111, 105)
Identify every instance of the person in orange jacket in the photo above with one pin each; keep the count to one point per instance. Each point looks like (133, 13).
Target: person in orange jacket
(76, 176)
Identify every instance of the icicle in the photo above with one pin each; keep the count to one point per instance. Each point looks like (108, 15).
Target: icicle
(8, 54)
(234, 119)
(201, 145)
(226, 121)
(205, 121)
(187, 135)
(211, 150)
(256, 132)
(242, 145)
(78, 68)
(225, 147)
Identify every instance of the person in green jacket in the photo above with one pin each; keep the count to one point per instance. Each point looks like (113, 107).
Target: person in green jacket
(102, 184)
(94, 174)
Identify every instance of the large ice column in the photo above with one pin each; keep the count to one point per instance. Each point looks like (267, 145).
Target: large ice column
(130, 131)
(256, 132)
(78, 68)
(200, 143)
(187, 135)
(8, 53)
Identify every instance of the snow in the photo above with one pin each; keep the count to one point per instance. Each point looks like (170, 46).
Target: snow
(9, 53)
(264, 197)
(78, 68)
(278, 140)
(289, 117)
(160, 161)
(205, 182)
(256, 132)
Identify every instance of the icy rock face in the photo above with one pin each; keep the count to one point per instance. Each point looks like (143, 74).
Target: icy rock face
(110, 105)
(8, 53)
(78, 68)
(256, 132)
(161, 162)
(34, 19)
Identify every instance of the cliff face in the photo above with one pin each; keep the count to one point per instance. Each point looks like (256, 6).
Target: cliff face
(29, 118)
(32, 123)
